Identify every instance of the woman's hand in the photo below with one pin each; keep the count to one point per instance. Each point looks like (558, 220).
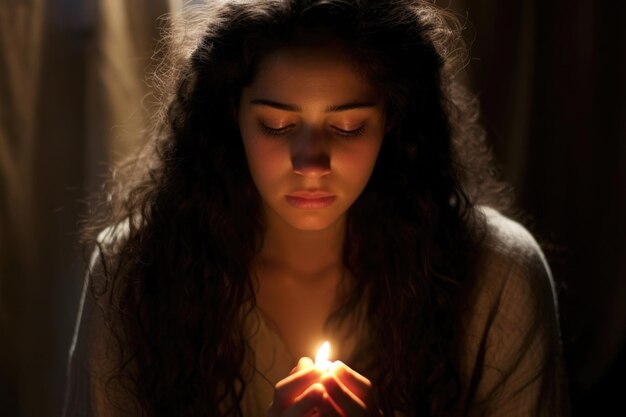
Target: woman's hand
(350, 391)
(301, 394)
(308, 391)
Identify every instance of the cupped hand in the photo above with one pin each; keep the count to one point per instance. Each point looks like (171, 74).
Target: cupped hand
(350, 391)
(308, 391)
(301, 394)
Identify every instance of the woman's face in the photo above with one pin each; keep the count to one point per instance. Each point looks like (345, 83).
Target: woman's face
(312, 127)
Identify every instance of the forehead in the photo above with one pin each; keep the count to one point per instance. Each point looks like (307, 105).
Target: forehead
(327, 71)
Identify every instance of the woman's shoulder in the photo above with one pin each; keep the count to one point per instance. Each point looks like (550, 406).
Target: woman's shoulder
(506, 243)
(110, 240)
(511, 323)
(510, 264)
(114, 235)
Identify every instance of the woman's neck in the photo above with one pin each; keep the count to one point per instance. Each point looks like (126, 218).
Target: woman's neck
(306, 254)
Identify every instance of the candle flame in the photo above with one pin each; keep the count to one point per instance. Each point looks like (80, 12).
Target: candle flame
(321, 358)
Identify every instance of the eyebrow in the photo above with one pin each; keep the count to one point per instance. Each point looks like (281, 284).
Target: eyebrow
(329, 109)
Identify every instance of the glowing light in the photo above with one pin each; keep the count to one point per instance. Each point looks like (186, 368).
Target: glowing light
(321, 358)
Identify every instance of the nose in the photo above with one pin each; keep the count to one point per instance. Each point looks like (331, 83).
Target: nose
(310, 156)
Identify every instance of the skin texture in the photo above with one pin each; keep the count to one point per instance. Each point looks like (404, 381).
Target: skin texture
(308, 391)
(313, 150)
(309, 121)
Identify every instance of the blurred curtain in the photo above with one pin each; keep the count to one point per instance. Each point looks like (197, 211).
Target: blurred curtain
(127, 34)
(550, 76)
(71, 86)
(20, 46)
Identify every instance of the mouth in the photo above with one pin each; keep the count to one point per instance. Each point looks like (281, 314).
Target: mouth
(310, 200)
(310, 194)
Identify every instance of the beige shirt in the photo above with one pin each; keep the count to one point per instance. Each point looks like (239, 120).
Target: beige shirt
(512, 364)
(512, 347)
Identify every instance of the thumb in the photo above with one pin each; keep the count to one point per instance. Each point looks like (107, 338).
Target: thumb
(303, 363)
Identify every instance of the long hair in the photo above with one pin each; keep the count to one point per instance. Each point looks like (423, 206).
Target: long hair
(176, 290)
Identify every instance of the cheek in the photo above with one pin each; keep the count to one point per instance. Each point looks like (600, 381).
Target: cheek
(358, 163)
(265, 160)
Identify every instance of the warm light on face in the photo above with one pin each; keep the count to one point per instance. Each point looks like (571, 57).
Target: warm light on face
(321, 358)
(310, 123)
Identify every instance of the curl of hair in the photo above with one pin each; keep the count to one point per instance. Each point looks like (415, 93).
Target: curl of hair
(180, 286)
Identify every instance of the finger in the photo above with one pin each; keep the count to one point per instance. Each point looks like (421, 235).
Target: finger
(303, 363)
(347, 401)
(355, 382)
(321, 401)
(328, 408)
(294, 385)
(302, 405)
(305, 403)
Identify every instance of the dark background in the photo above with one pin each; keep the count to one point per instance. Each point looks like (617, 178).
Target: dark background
(551, 77)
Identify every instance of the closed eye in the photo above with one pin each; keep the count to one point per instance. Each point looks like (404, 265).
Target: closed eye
(283, 130)
(355, 132)
(273, 131)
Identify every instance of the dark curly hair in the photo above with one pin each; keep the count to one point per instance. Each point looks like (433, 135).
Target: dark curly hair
(175, 290)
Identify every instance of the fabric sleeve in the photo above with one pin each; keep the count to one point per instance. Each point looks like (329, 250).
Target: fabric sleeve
(78, 389)
(90, 392)
(513, 364)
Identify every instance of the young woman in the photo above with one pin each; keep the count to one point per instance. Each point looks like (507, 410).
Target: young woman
(317, 175)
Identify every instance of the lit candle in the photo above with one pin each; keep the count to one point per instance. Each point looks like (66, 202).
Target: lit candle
(321, 358)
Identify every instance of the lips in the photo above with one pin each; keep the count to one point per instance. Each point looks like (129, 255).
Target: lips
(310, 199)
(310, 194)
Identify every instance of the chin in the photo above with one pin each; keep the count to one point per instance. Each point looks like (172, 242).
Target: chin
(306, 220)
(310, 222)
